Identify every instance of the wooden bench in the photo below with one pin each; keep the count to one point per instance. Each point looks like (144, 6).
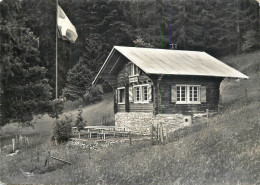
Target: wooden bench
(122, 133)
(113, 133)
(89, 133)
(103, 131)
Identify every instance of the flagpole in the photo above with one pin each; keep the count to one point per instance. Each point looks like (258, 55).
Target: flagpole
(56, 94)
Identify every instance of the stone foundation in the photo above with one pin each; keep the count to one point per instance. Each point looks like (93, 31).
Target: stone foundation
(141, 123)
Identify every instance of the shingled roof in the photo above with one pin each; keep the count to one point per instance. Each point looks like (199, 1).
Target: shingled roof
(175, 62)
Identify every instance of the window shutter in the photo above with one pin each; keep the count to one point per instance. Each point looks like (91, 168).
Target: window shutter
(203, 93)
(130, 68)
(130, 94)
(174, 93)
(116, 95)
(150, 95)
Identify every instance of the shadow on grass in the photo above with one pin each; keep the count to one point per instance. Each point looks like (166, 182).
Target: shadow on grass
(39, 168)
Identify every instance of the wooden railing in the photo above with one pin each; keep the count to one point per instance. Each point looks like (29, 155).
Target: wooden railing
(101, 131)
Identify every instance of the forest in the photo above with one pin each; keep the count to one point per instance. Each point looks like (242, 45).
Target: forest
(27, 37)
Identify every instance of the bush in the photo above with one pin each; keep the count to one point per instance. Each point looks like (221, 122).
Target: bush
(55, 108)
(80, 123)
(92, 95)
(63, 129)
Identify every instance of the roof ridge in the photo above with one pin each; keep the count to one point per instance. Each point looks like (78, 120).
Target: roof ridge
(157, 49)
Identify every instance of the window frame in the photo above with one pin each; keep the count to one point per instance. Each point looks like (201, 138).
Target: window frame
(132, 71)
(187, 94)
(118, 95)
(141, 92)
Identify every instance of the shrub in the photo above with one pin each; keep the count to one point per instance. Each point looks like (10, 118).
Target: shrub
(63, 129)
(92, 95)
(55, 108)
(80, 123)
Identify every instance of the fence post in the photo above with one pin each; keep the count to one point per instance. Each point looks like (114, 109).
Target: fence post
(38, 157)
(130, 138)
(49, 156)
(13, 143)
(167, 134)
(20, 141)
(152, 128)
(157, 134)
(219, 103)
(25, 142)
(207, 113)
(89, 151)
(28, 143)
(55, 141)
(16, 140)
(161, 133)
(47, 161)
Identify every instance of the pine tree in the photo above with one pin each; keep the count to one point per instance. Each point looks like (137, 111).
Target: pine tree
(25, 89)
(78, 81)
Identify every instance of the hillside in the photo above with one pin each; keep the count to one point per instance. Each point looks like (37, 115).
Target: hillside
(234, 90)
(209, 26)
(224, 151)
(28, 30)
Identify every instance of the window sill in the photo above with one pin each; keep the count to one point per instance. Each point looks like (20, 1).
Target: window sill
(141, 102)
(120, 103)
(189, 103)
(133, 76)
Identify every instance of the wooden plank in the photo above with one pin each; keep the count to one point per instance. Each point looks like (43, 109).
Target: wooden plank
(60, 160)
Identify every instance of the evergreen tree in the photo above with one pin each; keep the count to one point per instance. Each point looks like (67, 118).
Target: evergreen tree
(215, 26)
(78, 80)
(40, 17)
(25, 89)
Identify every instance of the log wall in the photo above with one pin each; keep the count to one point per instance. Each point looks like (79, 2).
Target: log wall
(123, 81)
(212, 94)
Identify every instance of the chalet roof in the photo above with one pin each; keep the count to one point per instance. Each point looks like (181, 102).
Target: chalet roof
(175, 62)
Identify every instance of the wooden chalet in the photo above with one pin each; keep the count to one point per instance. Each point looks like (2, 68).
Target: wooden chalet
(162, 81)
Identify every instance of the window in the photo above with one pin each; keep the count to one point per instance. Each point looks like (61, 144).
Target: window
(134, 70)
(141, 94)
(145, 93)
(188, 94)
(121, 95)
(193, 93)
(137, 94)
(181, 93)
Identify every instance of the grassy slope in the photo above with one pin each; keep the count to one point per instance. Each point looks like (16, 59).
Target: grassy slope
(226, 151)
(93, 113)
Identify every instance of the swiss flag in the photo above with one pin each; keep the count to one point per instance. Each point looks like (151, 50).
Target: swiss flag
(67, 30)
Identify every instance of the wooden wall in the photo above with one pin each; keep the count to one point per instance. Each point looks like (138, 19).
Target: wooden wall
(212, 94)
(122, 78)
(162, 92)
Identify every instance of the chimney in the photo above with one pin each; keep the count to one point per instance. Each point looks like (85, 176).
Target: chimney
(173, 46)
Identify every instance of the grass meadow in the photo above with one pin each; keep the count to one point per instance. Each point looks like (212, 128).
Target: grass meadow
(224, 151)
